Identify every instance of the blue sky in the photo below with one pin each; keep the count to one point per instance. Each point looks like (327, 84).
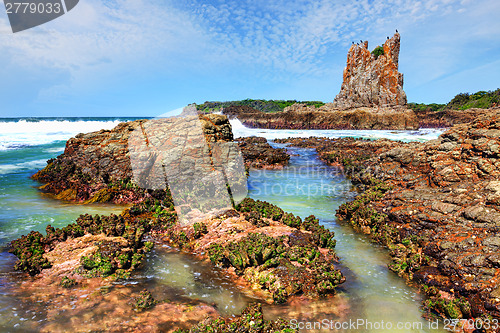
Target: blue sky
(144, 58)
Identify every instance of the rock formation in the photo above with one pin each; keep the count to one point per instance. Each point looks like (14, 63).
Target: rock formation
(96, 167)
(271, 254)
(371, 97)
(436, 206)
(105, 154)
(259, 154)
(301, 116)
(371, 80)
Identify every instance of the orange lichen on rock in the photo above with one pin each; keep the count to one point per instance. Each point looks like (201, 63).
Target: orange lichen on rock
(435, 205)
(371, 80)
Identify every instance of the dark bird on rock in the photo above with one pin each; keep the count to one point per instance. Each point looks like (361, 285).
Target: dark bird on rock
(396, 30)
(361, 41)
(387, 37)
(353, 42)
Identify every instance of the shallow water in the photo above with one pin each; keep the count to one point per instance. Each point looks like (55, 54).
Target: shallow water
(376, 294)
(371, 292)
(176, 275)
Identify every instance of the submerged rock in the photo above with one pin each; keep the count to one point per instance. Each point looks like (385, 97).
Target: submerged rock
(251, 320)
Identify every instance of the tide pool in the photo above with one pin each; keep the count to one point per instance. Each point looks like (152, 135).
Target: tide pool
(306, 187)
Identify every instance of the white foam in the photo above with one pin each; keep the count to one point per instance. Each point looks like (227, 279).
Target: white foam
(15, 167)
(25, 133)
(239, 130)
(54, 150)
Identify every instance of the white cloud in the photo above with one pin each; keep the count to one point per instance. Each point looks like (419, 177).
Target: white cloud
(122, 32)
(267, 32)
(276, 39)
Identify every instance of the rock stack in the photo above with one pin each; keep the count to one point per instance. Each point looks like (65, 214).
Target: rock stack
(371, 78)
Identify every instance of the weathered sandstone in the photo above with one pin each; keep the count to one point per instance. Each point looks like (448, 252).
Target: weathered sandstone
(96, 167)
(371, 80)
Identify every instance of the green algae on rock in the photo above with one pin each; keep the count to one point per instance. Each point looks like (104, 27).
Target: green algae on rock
(121, 247)
(67, 282)
(435, 206)
(251, 320)
(144, 301)
(276, 252)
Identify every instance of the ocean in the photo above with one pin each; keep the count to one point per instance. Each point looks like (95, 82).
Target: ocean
(25, 146)
(27, 143)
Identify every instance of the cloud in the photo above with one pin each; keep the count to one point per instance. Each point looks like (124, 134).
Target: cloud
(100, 43)
(288, 36)
(296, 36)
(122, 31)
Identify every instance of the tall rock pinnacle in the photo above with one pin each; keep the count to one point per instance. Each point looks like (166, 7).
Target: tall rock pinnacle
(371, 80)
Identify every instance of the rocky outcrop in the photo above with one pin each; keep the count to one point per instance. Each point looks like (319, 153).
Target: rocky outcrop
(436, 206)
(272, 255)
(96, 167)
(300, 116)
(449, 117)
(370, 79)
(259, 154)
(371, 97)
(277, 253)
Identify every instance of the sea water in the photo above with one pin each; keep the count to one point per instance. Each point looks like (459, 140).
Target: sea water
(373, 291)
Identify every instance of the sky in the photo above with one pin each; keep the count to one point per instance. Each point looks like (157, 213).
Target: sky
(144, 58)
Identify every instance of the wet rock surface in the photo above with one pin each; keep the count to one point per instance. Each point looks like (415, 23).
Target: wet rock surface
(447, 118)
(80, 289)
(435, 206)
(251, 320)
(259, 154)
(271, 254)
(275, 253)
